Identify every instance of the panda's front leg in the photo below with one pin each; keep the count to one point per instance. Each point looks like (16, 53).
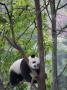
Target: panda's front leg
(25, 71)
(26, 74)
(27, 77)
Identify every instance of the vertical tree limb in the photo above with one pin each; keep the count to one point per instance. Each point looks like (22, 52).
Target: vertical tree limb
(42, 85)
(54, 45)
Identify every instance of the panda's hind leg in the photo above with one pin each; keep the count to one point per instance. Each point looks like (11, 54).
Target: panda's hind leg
(15, 78)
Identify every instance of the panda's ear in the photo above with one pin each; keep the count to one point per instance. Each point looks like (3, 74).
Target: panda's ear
(33, 56)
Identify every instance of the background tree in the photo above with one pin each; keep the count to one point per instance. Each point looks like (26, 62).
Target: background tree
(53, 20)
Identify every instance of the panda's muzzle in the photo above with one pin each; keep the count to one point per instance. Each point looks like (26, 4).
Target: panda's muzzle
(37, 66)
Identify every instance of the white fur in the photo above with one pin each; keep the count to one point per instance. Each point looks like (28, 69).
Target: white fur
(31, 64)
(16, 66)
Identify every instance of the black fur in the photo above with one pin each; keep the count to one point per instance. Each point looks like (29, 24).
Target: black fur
(15, 78)
(25, 74)
(25, 70)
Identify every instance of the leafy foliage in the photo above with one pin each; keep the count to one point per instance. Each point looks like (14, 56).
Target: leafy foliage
(24, 26)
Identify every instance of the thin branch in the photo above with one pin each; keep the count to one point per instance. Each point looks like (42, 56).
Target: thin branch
(58, 4)
(22, 33)
(31, 83)
(62, 70)
(20, 13)
(8, 51)
(23, 7)
(61, 7)
(62, 29)
(6, 8)
(30, 37)
(35, 77)
(10, 20)
(18, 47)
(26, 30)
(47, 10)
(48, 14)
(10, 41)
(14, 44)
(44, 7)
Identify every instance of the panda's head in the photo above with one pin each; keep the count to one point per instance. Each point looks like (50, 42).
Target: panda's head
(34, 62)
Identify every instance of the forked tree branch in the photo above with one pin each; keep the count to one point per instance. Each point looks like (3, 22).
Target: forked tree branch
(62, 30)
(12, 41)
(46, 7)
(58, 4)
(61, 6)
(10, 19)
(18, 47)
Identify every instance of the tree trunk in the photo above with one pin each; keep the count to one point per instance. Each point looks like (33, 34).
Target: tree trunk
(1, 85)
(54, 45)
(42, 85)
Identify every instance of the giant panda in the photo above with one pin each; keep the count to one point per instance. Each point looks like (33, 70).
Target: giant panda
(20, 70)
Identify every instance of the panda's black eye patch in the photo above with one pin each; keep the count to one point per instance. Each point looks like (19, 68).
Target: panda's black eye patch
(34, 61)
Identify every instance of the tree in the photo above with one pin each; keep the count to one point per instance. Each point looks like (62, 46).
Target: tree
(54, 45)
(54, 10)
(42, 85)
(20, 19)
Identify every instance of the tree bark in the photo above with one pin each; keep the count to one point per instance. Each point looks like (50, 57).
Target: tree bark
(42, 85)
(54, 45)
(1, 85)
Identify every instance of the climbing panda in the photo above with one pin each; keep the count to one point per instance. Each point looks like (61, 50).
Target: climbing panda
(20, 70)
